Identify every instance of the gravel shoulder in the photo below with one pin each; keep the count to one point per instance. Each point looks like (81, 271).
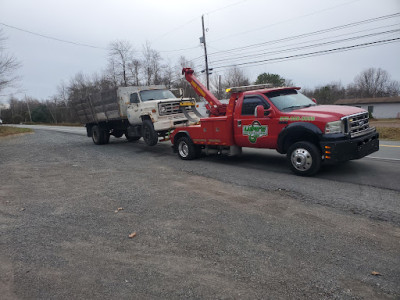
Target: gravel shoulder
(197, 236)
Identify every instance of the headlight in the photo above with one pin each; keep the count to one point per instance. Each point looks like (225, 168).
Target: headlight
(163, 109)
(334, 127)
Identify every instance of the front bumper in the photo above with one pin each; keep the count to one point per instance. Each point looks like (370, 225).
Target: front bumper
(338, 147)
(168, 122)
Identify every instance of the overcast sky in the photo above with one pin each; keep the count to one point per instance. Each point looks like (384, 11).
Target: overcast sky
(173, 27)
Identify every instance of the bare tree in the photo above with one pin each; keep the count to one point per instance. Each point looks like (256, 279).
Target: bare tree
(8, 66)
(134, 68)
(151, 65)
(120, 54)
(235, 77)
(373, 83)
(328, 93)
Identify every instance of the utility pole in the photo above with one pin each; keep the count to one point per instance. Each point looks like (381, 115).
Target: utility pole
(203, 40)
(219, 86)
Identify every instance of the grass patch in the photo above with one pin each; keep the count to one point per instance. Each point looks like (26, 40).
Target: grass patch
(389, 133)
(54, 124)
(8, 130)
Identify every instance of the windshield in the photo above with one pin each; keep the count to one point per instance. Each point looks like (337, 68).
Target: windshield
(156, 95)
(286, 100)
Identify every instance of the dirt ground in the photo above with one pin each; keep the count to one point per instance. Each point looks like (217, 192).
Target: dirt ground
(198, 237)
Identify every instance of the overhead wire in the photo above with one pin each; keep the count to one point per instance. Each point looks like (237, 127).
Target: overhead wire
(310, 46)
(300, 36)
(257, 53)
(310, 54)
(51, 37)
(284, 21)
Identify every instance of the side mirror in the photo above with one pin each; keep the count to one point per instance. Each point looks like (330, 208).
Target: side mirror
(314, 100)
(259, 112)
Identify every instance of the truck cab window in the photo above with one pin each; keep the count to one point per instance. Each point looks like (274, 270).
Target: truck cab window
(250, 103)
(134, 98)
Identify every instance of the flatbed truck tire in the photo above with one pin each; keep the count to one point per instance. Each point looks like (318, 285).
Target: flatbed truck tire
(150, 136)
(97, 135)
(100, 136)
(304, 158)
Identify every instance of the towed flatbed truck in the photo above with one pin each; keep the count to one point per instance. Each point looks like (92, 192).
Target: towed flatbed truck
(149, 112)
(278, 118)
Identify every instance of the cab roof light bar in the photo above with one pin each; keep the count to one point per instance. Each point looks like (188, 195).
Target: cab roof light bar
(245, 88)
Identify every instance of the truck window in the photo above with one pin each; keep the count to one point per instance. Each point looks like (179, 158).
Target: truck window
(134, 98)
(287, 100)
(156, 95)
(251, 102)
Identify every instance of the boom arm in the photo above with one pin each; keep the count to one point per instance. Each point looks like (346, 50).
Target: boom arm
(216, 108)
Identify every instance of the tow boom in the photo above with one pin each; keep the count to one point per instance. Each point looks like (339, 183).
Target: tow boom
(215, 107)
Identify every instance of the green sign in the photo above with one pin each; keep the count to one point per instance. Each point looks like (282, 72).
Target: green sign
(254, 131)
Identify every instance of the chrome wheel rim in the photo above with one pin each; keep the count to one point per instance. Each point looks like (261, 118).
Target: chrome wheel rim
(301, 159)
(183, 149)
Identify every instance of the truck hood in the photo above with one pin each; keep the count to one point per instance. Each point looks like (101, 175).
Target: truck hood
(327, 111)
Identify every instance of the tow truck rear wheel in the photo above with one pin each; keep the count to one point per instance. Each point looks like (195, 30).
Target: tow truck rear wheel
(304, 158)
(150, 136)
(186, 149)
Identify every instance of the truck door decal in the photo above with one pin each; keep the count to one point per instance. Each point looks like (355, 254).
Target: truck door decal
(254, 131)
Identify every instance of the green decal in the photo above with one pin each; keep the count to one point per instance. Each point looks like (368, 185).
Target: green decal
(254, 131)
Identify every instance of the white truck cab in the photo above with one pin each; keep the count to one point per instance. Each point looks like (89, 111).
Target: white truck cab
(154, 109)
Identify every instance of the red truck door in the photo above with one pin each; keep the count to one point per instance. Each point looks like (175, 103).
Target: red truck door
(251, 131)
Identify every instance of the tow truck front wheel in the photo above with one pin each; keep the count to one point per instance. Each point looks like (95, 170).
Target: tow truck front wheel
(186, 149)
(304, 158)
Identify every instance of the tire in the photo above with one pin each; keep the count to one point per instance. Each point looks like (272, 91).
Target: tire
(97, 135)
(150, 136)
(132, 139)
(304, 158)
(117, 133)
(106, 136)
(186, 149)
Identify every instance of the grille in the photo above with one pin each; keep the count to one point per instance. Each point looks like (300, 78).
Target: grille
(357, 124)
(169, 108)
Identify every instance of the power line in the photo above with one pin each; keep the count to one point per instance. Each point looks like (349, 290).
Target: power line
(304, 35)
(310, 54)
(311, 46)
(284, 21)
(315, 32)
(191, 21)
(52, 38)
(257, 52)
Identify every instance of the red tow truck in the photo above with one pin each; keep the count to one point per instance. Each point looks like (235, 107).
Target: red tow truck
(278, 118)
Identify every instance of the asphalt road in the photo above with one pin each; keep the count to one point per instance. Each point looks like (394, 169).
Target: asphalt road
(216, 227)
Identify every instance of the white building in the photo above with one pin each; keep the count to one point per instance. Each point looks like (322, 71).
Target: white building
(380, 108)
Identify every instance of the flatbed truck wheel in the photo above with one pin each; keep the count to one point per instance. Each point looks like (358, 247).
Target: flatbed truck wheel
(186, 149)
(150, 136)
(97, 135)
(304, 158)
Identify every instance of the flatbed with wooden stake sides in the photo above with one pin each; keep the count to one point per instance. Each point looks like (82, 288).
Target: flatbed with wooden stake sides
(278, 118)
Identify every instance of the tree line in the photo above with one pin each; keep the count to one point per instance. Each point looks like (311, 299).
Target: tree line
(126, 66)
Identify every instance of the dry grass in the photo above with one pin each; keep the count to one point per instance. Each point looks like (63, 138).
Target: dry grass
(8, 130)
(389, 133)
(53, 124)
